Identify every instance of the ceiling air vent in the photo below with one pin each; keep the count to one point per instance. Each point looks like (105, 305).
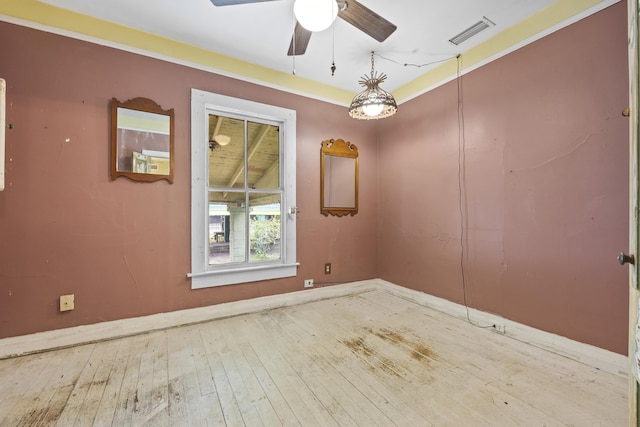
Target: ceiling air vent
(472, 30)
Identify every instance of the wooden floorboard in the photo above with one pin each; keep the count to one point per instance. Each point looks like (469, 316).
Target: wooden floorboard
(370, 359)
(518, 369)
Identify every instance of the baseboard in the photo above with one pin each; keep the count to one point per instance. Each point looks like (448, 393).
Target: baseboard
(44, 341)
(596, 357)
(68, 337)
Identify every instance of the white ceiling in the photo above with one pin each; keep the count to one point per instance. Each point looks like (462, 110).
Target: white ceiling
(260, 33)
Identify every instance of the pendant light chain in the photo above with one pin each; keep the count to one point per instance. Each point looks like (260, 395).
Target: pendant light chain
(372, 68)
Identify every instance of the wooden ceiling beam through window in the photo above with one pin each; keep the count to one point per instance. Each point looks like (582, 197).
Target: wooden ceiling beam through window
(251, 151)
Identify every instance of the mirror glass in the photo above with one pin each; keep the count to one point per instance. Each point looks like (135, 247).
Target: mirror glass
(338, 178)
(337, 172)
(141, 140)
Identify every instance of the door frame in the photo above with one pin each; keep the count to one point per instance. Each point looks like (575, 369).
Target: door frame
(634, 332)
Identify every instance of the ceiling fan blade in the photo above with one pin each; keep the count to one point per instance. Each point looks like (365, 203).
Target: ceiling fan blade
(301, 37)
(367, 21)
(234, 2)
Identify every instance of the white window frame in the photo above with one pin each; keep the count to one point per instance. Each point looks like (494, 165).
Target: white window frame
(202, 274)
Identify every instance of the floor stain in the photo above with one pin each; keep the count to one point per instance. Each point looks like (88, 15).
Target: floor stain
(358, 345)
(422, 353)
(417, 350)
(376, 361)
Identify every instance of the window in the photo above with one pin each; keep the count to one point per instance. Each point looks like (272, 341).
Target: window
(243, 191)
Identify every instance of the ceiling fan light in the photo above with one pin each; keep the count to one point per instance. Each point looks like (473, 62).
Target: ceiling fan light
(315, 15)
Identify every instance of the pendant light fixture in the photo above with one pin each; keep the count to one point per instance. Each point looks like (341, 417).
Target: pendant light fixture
(315, 15)
(373, 102)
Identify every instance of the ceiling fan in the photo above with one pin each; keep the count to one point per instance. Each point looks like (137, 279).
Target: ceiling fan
(351, 11)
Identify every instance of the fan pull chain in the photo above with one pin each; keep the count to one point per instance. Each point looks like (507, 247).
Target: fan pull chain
(293, 59)
(333, 49)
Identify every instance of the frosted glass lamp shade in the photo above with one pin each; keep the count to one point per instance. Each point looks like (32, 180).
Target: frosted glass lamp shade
(315, 15)
(372, 110)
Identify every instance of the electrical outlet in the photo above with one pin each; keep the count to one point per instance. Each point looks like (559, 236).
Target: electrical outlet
(327, 268)
(67, 302)
(308, 283)
(499, 328)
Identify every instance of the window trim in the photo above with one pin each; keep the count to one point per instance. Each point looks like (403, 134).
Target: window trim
(202, 274)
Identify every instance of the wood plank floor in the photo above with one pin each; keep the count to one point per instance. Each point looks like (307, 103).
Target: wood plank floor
(370, 359)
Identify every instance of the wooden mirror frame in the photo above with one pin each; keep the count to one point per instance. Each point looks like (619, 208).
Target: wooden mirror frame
(338, 148)
(119, 152)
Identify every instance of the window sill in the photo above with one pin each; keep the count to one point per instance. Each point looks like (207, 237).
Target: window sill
(208, 279)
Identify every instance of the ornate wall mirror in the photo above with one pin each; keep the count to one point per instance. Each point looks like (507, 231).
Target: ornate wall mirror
(338, 178)
(141, 140)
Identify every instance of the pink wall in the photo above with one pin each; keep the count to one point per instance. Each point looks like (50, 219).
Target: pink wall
(123, 248)
(545, 152)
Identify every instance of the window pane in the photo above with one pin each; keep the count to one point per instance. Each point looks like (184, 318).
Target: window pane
(226, 152)
(265, 233)
(264, 156)
(227, 225)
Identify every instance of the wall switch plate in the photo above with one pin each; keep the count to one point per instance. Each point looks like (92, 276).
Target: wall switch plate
(308, 283)
(327, 268)
(67, 302)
